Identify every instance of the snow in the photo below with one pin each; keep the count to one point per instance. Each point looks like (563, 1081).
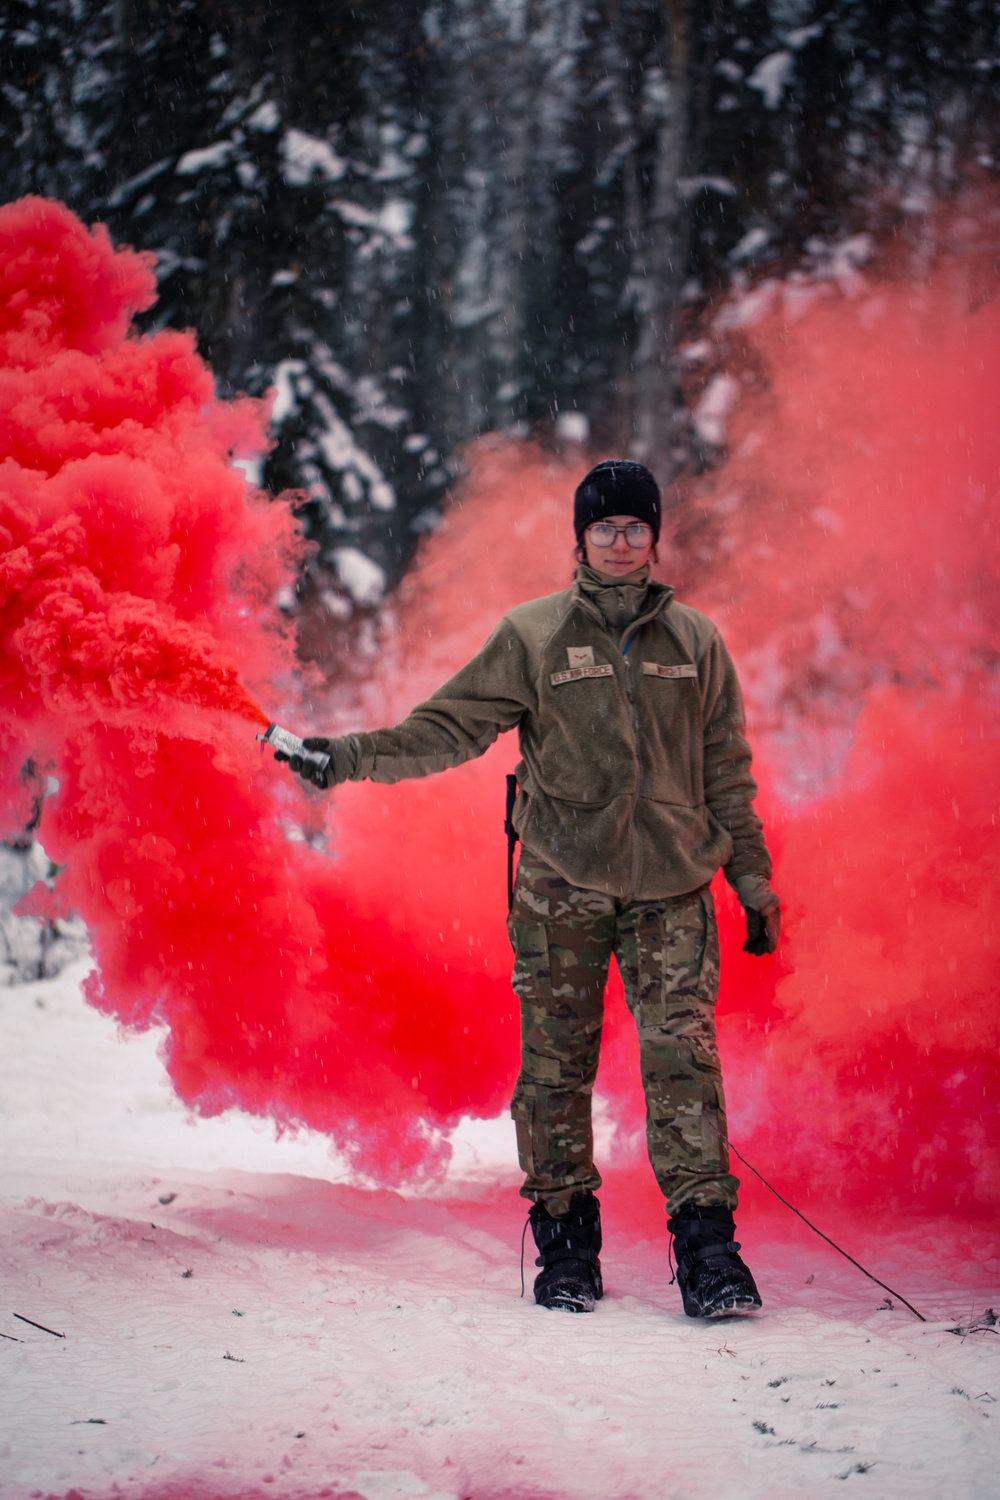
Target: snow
(131, 185)
(712, 408)
(771, 77)
(265, 118)
(252, 468)
(840, 260)
(371, 405)
(305, 157)
(727, 68)
(341, 453)
(753, 242)
(395, 217)
(573, 426)
(29, 949)
(204, 159)
(798, 38)
(239, 1317)
(286, 398)
(363, 579)
(688, 187)
(742, 311)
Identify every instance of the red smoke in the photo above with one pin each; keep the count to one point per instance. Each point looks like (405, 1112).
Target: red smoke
(846, 549)
(861, 592)
(121, 517)
(137, 618)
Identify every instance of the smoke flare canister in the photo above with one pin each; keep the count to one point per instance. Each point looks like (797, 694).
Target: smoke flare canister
(290, 744)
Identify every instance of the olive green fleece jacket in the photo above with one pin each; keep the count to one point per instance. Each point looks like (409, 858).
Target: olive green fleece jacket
(635, 771)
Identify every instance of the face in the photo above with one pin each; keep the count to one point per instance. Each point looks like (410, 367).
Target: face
(618, 559)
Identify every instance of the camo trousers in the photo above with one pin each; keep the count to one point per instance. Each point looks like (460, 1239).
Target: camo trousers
(668, 955)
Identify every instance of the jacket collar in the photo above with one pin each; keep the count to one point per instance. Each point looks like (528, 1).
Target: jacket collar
(621, 605)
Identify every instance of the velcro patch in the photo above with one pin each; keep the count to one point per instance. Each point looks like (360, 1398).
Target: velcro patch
(579, 656)
(654, 669)
(575, 673)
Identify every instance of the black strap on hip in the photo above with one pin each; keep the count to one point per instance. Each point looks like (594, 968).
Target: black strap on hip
(511, 832)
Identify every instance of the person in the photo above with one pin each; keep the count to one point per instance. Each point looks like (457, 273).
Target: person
(634, 788)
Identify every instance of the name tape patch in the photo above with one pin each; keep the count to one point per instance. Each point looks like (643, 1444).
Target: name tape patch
(575, 673)
(654, 669)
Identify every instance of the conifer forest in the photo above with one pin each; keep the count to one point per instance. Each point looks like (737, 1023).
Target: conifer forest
(421, 223)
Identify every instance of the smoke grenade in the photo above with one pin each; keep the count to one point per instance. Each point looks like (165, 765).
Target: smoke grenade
(290, 744)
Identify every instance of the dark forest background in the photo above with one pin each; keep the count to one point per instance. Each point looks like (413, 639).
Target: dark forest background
(426, 222)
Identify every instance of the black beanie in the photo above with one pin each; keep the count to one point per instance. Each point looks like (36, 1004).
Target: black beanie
(617, 487)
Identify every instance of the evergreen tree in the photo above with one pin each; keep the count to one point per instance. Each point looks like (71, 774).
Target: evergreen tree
(419, 225)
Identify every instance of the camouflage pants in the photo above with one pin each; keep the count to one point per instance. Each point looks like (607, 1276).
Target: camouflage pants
(668, 955)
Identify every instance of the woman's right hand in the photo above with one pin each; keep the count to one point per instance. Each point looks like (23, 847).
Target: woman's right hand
(340, 767)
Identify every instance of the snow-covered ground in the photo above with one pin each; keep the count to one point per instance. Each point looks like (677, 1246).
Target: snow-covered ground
(239, 1319)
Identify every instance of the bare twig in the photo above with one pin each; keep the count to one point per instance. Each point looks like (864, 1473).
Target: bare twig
(884, 1285)
(38, 1325)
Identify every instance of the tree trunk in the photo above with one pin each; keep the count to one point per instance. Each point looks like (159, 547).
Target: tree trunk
(660, 263)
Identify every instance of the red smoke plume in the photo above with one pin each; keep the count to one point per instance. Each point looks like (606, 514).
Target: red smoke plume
(137, 619)
(848, 551)
(861, 593)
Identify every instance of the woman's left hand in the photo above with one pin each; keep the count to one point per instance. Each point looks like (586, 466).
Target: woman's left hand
(763, 912)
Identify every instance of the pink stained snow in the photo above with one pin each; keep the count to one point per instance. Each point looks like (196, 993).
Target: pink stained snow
(388, 1330)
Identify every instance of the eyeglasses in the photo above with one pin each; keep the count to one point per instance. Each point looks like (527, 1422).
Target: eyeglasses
(636, 533)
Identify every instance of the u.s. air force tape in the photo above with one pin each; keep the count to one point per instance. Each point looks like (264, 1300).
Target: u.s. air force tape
(575, 673)
(654, 669)
(650, 669)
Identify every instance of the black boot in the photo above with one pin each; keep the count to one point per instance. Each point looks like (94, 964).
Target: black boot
(712, 1278)
(568, 1253)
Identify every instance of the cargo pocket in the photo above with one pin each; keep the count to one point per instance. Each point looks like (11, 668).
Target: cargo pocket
(531, 978)
(672, 961)
(691, 980)
(523, 1112)
(713, 1124)
(648, 981)
(708, 978)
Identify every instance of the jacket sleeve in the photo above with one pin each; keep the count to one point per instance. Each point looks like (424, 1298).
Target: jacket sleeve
(729, 786)
(460, 721)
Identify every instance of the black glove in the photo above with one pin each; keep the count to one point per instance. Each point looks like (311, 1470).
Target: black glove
(763, 913)
(341, 766)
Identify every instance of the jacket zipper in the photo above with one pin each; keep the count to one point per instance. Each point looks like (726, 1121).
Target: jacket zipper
(633, 822)
(629, 636)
